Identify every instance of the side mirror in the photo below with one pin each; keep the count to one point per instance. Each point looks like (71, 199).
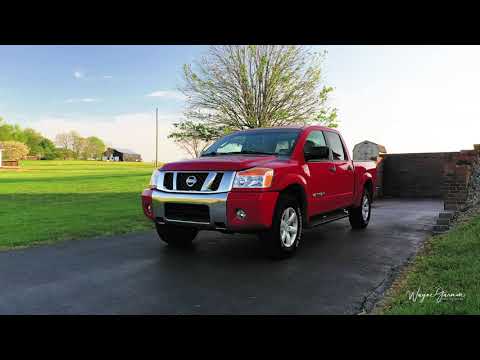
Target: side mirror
(318, 153)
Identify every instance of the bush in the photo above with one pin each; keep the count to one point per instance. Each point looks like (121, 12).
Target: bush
(14, 150)
(64, 154)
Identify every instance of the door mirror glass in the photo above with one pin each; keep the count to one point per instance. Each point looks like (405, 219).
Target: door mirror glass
(317, 153)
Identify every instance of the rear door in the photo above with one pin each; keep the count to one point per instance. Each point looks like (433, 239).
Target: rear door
(321, 181)
(343, 173)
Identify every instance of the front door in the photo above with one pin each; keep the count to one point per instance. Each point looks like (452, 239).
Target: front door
(322, 178)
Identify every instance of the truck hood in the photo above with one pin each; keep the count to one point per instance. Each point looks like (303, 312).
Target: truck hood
(220, 163)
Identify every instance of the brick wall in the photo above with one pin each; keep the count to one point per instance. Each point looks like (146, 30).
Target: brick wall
(414, 175)
(452, 176)
(462, 179)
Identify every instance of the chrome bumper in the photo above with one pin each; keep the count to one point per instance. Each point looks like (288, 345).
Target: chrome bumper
(216, 202)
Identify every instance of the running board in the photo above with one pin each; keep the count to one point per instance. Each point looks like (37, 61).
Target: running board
(326, 218)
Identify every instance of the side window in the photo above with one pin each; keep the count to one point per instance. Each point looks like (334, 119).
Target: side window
(336, 145)
(314, 139)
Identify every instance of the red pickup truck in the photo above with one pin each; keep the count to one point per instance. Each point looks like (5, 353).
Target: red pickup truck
(272, 181)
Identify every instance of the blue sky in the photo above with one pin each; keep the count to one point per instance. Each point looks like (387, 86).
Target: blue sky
(38, 81)
(409, 98)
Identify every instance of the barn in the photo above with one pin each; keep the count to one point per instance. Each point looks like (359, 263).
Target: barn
(368, 150)
(119, 154)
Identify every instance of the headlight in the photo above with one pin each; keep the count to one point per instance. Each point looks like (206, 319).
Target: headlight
(253, 178)
(153, 179)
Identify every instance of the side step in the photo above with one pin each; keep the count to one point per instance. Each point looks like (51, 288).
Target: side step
(326, 218)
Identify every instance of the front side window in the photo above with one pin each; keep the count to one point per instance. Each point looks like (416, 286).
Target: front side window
(336, 145)
(269, 142)
(315, 139)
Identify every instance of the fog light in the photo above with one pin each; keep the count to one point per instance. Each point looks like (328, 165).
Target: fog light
(241, 214)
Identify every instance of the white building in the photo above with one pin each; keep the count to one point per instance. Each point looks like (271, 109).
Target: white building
(368, 150)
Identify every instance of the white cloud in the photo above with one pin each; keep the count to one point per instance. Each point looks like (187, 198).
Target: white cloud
(107, 76)
(167, 94)
(134, 131)
(85, 100)
(78, 74)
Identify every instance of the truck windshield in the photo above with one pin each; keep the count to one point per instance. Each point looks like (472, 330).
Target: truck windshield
(261, 142)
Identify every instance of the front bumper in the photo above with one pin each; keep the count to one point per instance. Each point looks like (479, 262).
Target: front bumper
(259, 207)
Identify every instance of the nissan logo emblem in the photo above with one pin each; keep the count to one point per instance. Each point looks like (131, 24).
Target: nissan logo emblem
(191, 180)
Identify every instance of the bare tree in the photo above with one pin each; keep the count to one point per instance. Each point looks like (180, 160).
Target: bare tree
(257, 86)
(194, 137)
(78, 143)
(64, 141)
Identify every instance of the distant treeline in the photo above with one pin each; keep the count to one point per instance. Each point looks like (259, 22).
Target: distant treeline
(18, 143)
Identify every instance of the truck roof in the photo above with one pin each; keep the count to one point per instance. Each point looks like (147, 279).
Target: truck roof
(293, 127)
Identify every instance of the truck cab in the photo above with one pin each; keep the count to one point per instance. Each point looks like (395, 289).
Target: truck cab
(271, 181)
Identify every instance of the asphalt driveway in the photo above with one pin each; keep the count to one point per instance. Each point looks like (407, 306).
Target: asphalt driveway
(336, 271)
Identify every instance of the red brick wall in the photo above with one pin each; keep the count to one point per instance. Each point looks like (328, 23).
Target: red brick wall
(462, 179)
(414, 175)
(453, 176)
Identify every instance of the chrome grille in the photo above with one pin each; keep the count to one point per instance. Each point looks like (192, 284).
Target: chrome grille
(183, 184)
(195, 181)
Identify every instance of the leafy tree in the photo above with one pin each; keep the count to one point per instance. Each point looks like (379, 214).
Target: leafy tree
(10, 132)
(14, 150)
(94, 148)
(32, 139)
(255, 86)
(48, 150)
(194, 137)
(327, 116)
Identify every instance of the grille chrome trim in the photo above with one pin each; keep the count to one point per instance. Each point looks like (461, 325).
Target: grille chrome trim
(217, 203)
(225, 184)
(174, 186)
(208, 181)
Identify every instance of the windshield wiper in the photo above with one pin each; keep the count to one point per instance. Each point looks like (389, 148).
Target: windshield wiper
(252, 152)
(248, 152)
(213, 153)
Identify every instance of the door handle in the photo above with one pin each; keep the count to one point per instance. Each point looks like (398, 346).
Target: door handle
(333, 168)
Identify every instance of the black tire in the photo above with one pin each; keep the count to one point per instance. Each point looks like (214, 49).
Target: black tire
(356, 216)
(176, 236)
(272, 240)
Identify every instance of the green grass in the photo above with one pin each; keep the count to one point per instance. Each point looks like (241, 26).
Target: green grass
(48, 201)
(450, 262)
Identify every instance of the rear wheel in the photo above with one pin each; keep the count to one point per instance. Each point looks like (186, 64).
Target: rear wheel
(282, 239)
(360, 216)
(176, 236)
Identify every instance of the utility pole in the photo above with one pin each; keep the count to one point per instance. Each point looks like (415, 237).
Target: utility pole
(156, 137)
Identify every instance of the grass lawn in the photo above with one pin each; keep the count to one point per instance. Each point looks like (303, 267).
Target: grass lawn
(451, 263)
(47, 201)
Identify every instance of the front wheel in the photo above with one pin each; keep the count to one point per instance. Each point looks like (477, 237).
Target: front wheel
(360, 216)
(176, 236)
(283, 238)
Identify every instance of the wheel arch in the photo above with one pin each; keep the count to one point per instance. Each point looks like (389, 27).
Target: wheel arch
(365, 181)
(298, 191)
(368, 184)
